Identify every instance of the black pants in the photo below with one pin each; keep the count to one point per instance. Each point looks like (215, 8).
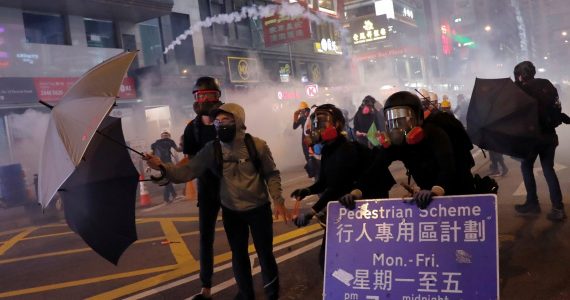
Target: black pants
(238, 224)
(208, 209)
(546, 153)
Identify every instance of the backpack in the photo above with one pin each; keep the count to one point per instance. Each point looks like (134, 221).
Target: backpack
(251, 151)
(549, 102)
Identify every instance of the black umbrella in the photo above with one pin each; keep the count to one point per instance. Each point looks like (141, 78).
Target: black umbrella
(502, 117)
(99, 197)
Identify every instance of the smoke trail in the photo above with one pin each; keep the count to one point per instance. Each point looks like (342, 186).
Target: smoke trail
(255, 12)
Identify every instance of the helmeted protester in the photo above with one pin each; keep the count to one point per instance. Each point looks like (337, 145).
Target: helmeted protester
(445, 104)
(427, 151)
(197, 134)
(299, 119)
(248, 178)
(163, 149)
(365, 116)
(548, 106)
(342, 163)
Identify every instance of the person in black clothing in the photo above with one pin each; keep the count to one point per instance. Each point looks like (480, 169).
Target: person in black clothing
(425, 149)
(197, 133)
(299, 119)
(543, 91)
(341, 163)
(363, 119)
(161, 148)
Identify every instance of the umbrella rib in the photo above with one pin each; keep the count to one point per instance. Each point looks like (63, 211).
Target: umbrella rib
(119, 143)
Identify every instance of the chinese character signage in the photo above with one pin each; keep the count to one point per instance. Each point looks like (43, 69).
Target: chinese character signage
(243, 69)
(371, 29)
(389, 249)
(327, 46)
(281, 30)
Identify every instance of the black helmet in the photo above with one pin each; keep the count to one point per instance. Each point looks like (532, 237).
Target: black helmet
(206, 83)
(404, 98)
(337, 116)
(525, 69)
(369, 100)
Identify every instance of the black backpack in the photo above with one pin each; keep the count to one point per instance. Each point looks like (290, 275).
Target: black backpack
(549, 102)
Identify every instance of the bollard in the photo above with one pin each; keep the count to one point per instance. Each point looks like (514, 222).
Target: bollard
(144, 195)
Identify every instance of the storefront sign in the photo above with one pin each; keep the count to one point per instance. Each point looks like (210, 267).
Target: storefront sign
(284, 71)
(17, 90)
(315, 72)
(243, 69)
(281, 30)
(389, 249)
(371, 29)
(327, 46)
(288, 95)
(53, 88)
(386, 53)
(311, 90)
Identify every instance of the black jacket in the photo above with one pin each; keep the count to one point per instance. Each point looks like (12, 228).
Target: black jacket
(342, 165)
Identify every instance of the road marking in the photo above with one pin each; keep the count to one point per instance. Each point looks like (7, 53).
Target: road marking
(218, 268)
(224, 285)
(177, 245)
(75, 283)
(178, 219)
(186, 269)
(15, 239)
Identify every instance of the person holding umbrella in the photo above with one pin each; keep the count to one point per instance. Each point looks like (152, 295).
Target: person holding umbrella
(546, 95)
(247, 181)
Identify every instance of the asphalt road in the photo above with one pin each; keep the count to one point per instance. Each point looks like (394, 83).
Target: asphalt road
(47, 261)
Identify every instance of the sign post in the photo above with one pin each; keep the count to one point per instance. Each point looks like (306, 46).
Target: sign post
(390, 249)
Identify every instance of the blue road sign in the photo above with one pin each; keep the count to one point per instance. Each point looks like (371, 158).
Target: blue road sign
(390, 249)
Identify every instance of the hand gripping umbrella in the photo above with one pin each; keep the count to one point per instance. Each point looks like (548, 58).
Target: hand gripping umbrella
(502, 117)
(73, 124)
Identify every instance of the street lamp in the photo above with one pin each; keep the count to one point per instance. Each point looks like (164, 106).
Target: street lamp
(564, 33)
(488, 28)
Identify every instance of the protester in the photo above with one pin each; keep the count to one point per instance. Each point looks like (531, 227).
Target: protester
(299, 119)
(197, 134)
(497, 161)
(247, 178)
(545, 93)
(341, 165)
(428, 152)
(162, 148)
(365, 116)
(445, 104)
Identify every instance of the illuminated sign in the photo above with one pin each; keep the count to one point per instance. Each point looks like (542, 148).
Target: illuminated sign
(446, 42)
(370, 30)
(395, 10)
(243, 69)
(284, 71)
(327, 46)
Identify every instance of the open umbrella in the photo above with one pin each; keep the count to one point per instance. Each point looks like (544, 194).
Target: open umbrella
(100, 195)
(502, 117)
(75, 120)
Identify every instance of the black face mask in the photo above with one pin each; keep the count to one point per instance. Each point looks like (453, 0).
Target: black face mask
(226, 133)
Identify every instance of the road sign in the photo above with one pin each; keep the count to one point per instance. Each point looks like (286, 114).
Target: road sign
(389, 249)
(311, 90)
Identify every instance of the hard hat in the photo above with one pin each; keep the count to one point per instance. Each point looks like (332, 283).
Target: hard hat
(303, 105)
(445, 103)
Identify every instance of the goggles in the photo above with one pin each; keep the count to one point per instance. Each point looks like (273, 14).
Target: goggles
(207, 96)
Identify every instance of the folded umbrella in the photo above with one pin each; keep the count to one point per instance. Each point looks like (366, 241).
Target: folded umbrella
(503, 118)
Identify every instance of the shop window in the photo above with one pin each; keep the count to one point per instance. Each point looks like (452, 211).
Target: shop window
(45, 29)
(151, 42)
(328, 4)
(100, 33)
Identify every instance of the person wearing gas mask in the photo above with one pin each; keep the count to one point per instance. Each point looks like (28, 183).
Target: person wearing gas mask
(425, 149)
(365, 116)
(198, 133)
(341, 165)
(248, 178)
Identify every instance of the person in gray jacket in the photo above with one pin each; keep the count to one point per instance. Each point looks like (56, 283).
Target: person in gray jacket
(245, 188)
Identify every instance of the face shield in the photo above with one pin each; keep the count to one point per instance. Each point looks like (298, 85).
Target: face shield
(399, 122)
(322, 125)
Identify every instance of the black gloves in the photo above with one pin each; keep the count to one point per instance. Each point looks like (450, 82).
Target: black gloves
(303, 219)
(299, 194)
(423, 198)
(348, 201)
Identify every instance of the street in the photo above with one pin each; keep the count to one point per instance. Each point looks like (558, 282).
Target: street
(48, 261)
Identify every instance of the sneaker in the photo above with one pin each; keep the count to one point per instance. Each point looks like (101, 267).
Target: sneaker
(528, 208)
(556, 214)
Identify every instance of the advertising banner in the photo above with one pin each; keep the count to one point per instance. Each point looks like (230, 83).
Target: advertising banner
(243, 69)
(390, 249)
(17, 90)
(53, 88)
(281, 30)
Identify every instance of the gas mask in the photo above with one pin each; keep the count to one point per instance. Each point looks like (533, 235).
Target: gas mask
(226, 131)
(366, 110)
(401, 126)
(205, 101)
(322, 128)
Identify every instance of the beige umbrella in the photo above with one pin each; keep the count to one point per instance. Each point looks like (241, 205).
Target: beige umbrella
(75, 119)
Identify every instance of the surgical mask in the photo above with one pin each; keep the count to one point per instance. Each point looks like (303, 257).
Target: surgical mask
(227, 132)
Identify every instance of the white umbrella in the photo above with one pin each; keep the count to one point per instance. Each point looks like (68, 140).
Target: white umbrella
(75, 119)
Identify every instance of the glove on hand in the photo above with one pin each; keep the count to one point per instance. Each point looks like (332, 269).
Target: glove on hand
(423, 198)
(303, 219)
(299, 194)
(348, 201)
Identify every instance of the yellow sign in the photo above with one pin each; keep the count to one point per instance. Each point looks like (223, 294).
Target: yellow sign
(243, 69)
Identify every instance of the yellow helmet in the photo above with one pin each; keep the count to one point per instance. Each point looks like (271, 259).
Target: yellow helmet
(303, 105)
(445, 103)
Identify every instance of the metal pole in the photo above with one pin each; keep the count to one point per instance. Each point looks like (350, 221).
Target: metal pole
(291, 60)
